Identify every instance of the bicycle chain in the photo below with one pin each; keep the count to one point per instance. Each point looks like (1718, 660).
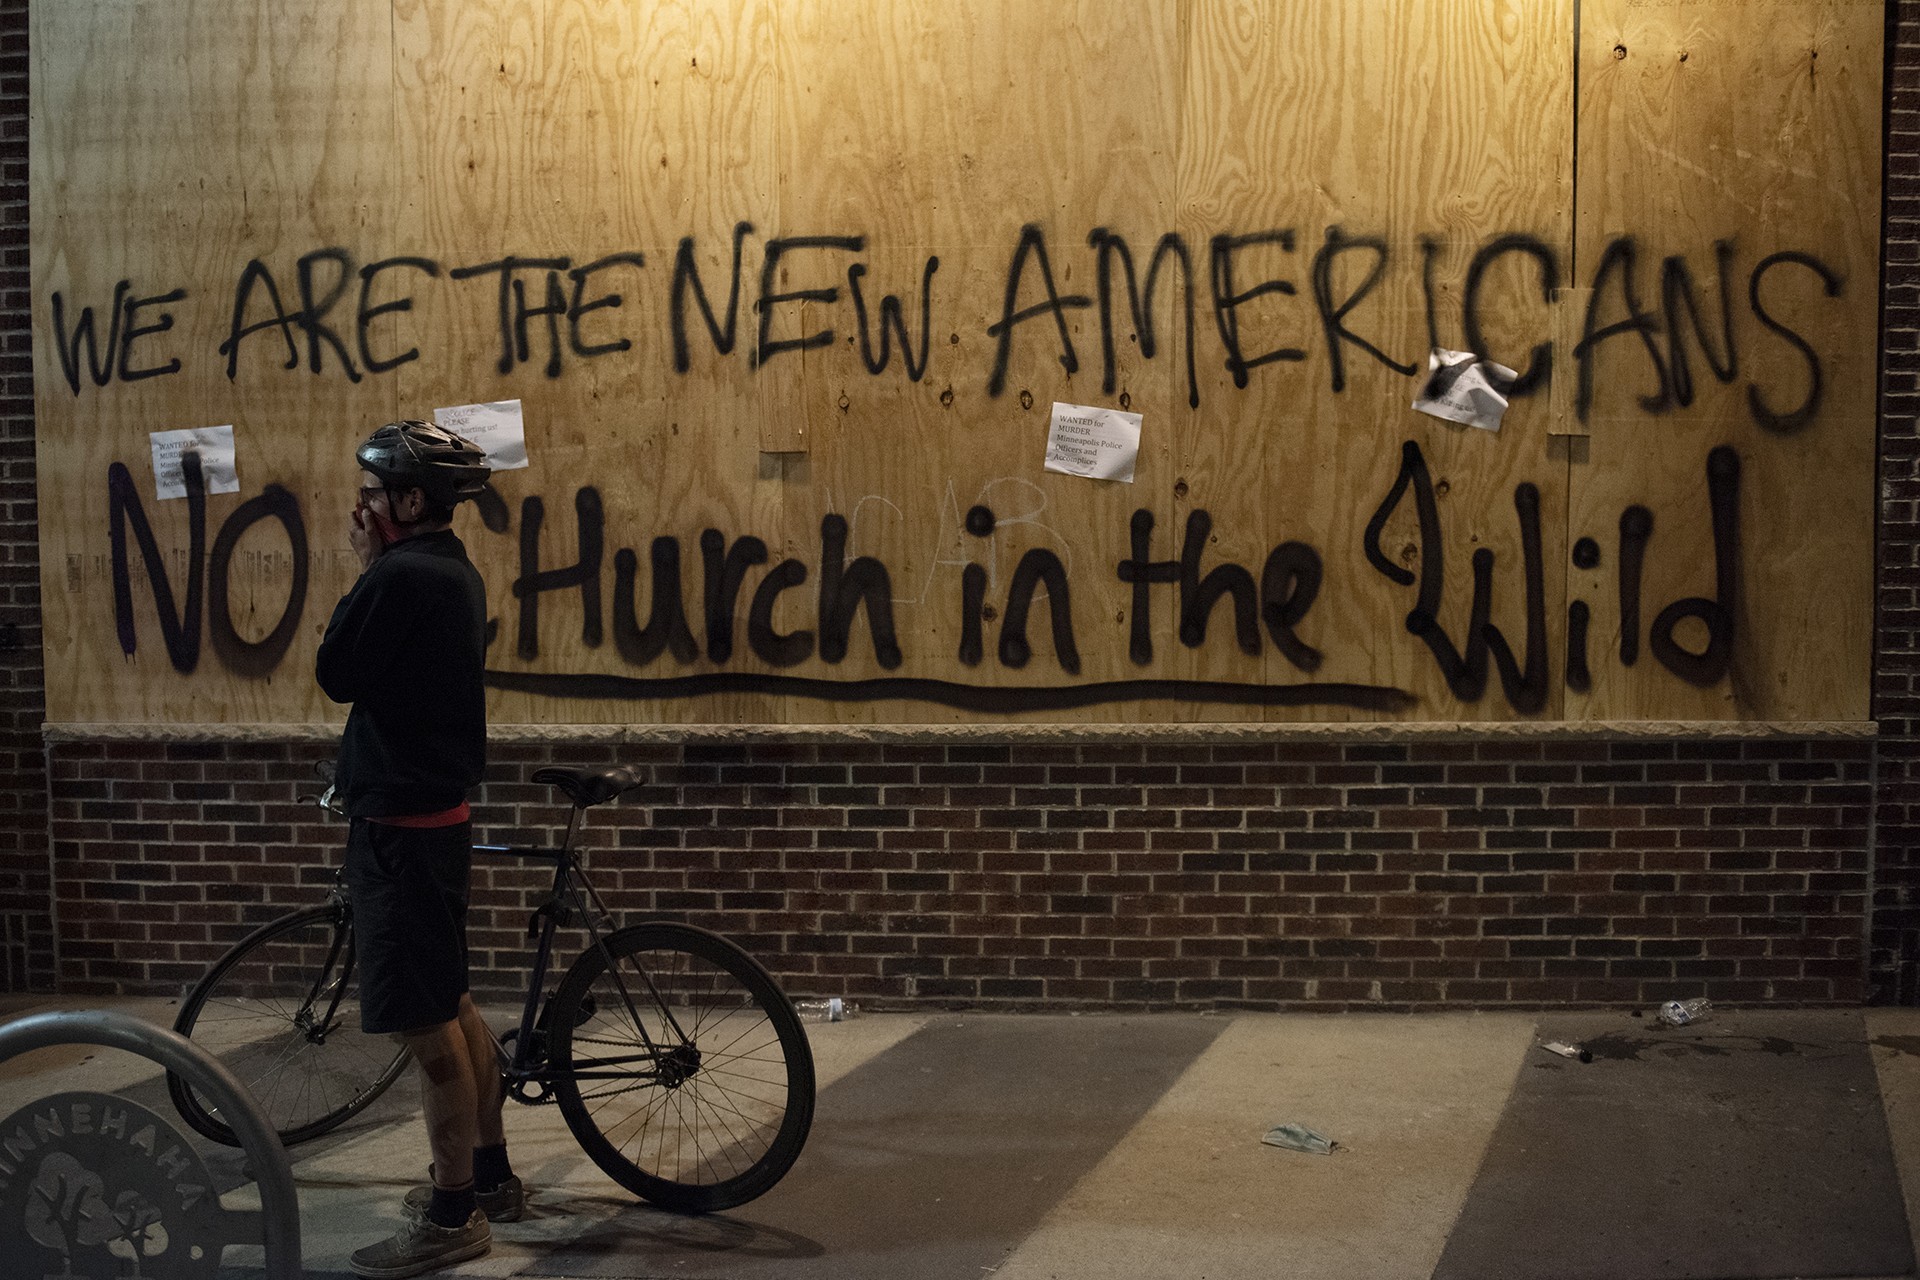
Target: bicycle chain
(645, 1084)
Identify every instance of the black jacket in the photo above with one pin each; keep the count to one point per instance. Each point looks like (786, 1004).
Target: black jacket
(406, 646)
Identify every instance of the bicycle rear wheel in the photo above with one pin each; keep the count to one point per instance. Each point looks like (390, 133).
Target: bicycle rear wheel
(717, 1111)
(280, 1011)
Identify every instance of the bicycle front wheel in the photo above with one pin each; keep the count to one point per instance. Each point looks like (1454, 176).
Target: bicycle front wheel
(280, 1011)
(682, 1069)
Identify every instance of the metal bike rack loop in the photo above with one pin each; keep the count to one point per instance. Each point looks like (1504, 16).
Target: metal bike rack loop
(279, 1208)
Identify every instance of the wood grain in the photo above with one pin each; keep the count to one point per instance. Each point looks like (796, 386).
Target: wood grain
(1391, 174)
(1394, 123)
(259, 143)
(1761, 132)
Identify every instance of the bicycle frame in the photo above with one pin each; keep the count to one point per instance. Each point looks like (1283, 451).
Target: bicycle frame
(639, 1010)
(527, 1063)
(564, 904)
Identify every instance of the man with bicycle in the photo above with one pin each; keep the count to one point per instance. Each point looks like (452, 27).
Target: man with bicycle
(406, 647)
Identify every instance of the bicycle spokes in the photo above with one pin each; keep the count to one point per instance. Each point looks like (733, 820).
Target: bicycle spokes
(280, 1013)
(681, 1072)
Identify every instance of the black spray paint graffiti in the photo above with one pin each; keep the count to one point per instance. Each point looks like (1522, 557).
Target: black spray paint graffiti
(549, 312)
(180, 627)
(850, 590)
(1465, 671)
(1526, 683)
(1716, 615)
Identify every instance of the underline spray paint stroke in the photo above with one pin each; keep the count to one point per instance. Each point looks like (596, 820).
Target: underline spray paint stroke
(950, 693)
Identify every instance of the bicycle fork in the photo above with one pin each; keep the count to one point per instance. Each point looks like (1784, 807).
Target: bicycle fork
(316, 1030)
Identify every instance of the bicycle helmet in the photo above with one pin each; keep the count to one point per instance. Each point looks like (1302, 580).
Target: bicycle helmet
(447, 467)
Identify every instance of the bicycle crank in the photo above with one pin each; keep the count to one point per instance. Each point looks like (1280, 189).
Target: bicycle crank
(529, 1091)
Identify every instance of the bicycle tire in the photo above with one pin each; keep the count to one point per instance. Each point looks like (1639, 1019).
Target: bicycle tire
(246, 1011)
(738, 1090)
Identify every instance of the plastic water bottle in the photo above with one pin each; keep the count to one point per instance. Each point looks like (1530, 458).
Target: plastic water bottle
(833, 1009)
(1681, 1013)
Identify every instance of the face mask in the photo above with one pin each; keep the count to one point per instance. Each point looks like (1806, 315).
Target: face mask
(384, 529)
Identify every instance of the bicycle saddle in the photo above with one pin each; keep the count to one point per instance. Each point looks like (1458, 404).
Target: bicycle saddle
(588, 787)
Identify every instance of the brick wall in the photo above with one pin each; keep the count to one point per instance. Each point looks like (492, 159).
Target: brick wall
(26, 890)
(1473, 873)
(1298, 876)
(1895, 952)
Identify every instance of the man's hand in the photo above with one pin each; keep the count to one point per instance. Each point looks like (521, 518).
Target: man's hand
(365, 538)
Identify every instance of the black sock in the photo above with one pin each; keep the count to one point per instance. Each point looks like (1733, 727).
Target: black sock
(490, 1166)
(451, 1207)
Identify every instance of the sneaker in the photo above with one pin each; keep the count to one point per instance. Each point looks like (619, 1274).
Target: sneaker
(422, 1246)
(504, 1203)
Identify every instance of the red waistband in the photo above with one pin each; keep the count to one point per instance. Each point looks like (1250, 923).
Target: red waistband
(445, 818)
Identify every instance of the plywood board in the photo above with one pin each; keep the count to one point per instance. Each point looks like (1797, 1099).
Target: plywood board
(1753, 127)
(940, 137)
(1387, 126)
(571, 134)
(263, 143)
(680, 234)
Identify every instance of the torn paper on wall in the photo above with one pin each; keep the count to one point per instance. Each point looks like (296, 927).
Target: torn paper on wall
(215, 447)
(1460, 388)
(1087, 440)
(497, 428)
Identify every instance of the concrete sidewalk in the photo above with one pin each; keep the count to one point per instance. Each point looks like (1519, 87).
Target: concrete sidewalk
(1128, 1146)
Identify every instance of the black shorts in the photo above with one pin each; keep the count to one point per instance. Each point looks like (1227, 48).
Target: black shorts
(408, 886)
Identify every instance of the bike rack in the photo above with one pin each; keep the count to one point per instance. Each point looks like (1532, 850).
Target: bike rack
(279, 1214)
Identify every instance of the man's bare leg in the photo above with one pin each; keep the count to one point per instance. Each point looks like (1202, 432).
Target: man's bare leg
(448, 1095)
(449, 1227)
(460, 1087)
(485, 1066)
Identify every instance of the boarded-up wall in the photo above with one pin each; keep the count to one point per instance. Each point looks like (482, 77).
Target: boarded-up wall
(788, 291)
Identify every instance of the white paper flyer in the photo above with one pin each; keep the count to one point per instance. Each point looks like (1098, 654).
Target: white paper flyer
(1459, 388)
(215, 447)
(496, 428)
(1086, 440)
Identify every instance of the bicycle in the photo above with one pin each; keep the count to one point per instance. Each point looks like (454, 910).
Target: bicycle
(689, 1029)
